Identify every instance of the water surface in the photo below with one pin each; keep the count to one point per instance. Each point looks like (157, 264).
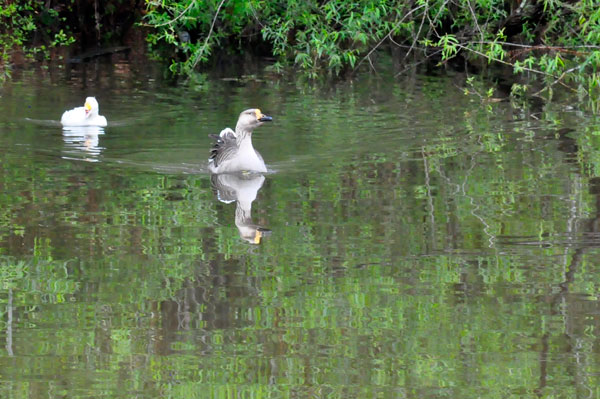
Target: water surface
(408, 241)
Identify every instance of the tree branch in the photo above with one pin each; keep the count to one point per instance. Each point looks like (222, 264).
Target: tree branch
(386, 36)
(212, 25)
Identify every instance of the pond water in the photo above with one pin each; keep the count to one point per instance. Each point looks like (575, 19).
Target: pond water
(408, 241)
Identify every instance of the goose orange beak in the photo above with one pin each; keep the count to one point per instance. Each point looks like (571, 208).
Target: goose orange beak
(262, 117)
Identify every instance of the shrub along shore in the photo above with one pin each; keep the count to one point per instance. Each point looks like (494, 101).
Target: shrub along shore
(555, 43)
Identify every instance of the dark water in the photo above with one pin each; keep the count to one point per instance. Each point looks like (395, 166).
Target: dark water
(413, 242)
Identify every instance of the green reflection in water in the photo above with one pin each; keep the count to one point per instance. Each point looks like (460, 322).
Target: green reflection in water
(422, 245)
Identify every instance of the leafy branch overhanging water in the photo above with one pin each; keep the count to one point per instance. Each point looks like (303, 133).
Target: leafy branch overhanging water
(551, 41)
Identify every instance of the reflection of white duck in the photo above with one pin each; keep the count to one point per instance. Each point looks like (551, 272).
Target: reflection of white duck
(83, 138)
(233, 151)
(243, 189)
(84, 116)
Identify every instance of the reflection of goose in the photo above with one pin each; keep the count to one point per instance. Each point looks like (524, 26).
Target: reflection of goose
(83, 138)
(243, 189)
(233, 151)
(84, 116)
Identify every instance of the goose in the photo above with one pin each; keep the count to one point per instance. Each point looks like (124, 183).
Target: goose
(84, 116)
(233, 151)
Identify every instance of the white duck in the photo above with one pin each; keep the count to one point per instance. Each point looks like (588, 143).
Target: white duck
(84, 116)
(233, 151)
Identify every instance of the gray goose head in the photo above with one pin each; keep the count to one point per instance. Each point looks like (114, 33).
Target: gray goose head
(251, 119)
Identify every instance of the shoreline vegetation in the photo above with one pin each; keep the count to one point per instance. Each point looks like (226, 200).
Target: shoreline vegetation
(546, 44)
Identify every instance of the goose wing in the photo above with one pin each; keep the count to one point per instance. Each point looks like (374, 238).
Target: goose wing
(73, 117)
(224, 147)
